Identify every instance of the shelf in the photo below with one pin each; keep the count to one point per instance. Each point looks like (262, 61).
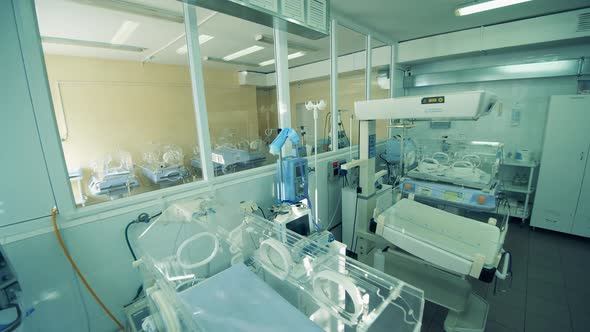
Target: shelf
(518, 163)
(517, 189)
(515, 208)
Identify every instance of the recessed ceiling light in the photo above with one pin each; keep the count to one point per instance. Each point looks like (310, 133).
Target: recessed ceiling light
(243, 52)
(478, 7)
(124, 32)
(290, 57)
(202, 40)
(182, 49)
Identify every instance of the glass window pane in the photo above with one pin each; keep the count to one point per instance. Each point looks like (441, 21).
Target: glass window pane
(242, 115)
(351, 77)
(310, 85)
(122, 96)
(380, 58)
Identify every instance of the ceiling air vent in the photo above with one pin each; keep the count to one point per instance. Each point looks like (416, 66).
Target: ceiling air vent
(583, 22)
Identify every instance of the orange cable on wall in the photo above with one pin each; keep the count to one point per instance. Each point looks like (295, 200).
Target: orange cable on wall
(69, 257)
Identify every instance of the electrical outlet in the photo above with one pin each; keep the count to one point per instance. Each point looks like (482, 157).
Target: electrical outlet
(335, 169)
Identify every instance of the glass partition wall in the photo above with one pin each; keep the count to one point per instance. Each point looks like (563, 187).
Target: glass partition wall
(122, 101)
(137, 101)
(351, 50)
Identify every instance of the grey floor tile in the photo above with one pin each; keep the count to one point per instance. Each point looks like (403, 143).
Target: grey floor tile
(544, 307)
(547, 323)
(430, 310)
(549, 291)
(578, 298)
(509, 317)
(540, 261)
(580, 315)
(577, 279)
(438, 321)
(545, 250)
(514, 298)
(494, 326)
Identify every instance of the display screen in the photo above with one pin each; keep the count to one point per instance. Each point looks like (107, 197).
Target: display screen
(453, 196)
(300, 225)
(433, 100)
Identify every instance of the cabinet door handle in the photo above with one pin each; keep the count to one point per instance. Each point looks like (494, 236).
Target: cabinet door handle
(582, 155)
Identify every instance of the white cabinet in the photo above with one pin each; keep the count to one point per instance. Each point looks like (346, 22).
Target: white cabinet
(25, 191)
(563, 188)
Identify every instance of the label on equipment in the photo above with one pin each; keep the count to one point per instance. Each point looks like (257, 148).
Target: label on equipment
(372, 141)
(423, 191)
(453, 196)
(433, 100)
(294, 9)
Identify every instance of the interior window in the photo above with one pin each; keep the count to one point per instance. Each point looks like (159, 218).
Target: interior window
(121, 89)
(242, 114)
(351, 77)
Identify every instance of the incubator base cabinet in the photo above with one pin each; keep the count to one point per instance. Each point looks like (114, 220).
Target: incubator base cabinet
(562, 202)
(208, 267)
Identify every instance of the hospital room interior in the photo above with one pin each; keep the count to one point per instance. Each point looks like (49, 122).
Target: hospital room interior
(295, 165)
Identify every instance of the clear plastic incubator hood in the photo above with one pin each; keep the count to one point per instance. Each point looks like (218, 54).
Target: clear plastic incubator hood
(211, 268)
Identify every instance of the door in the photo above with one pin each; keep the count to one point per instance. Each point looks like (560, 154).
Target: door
(565, 150)
(582, 218)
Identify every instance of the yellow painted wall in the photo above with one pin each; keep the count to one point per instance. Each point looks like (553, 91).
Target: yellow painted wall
(114, 105)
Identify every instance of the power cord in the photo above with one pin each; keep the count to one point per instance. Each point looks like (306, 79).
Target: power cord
(78, 272)
(262, 211)
(142, 218)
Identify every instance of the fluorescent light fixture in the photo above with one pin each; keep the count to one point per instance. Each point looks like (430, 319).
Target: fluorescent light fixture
(233, 62)
(202, 40)
(243, 52)
(134, 8)
(182, 49)
(478, 7)
(290, 57)
(124, 32)
(88, 43)
(485, 143)
(547, 68)
(291, 45)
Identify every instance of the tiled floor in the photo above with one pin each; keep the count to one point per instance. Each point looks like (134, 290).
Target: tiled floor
(550, 290)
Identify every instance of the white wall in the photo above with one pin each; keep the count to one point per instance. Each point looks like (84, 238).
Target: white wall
(99, 249)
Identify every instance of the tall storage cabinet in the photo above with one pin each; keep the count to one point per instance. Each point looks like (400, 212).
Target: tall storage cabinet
(562, 202)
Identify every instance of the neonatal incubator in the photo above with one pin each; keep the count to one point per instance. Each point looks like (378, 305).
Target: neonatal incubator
(113, 175)
(459, 172)
(164, 165)
(207, 267)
